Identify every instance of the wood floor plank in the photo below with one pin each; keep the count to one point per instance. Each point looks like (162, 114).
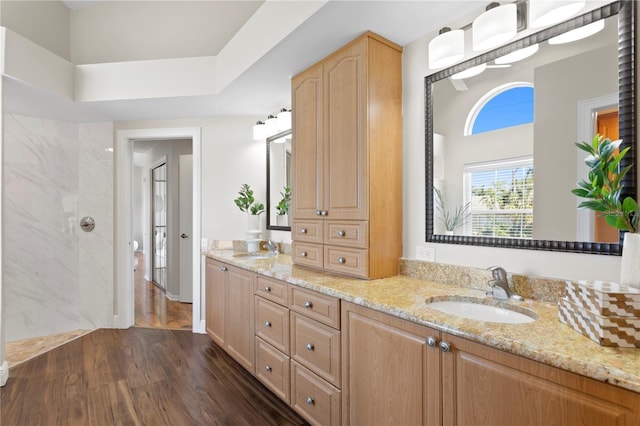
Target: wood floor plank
(138, 376)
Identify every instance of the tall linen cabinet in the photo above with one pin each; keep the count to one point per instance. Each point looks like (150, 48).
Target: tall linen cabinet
(347, 160)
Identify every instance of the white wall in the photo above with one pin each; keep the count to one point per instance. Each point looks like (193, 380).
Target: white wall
(137, 193)
(57, 278)
(230, 157)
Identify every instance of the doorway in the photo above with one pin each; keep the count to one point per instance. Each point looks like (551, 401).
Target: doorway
(124, 312)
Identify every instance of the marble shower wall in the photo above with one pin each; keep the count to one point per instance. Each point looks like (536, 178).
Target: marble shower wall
(57, 278)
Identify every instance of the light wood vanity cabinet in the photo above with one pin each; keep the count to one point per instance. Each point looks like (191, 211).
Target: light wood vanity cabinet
(229, 310)
(297, 346)
(347, 160)
(392, 376)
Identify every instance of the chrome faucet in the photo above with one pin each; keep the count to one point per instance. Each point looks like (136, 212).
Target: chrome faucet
(271, 247)
(500, 286)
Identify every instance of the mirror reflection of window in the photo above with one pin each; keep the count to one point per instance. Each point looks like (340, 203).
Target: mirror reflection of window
(505, 106)
(501, 196)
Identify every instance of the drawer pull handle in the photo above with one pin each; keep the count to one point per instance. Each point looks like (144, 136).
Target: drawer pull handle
(308, 305)
(310, 347)
(341, 233)
(310, 401)
(267, 323)
(324, 213)
(303, 231)
(318, 212)
(342, 260)
(268, 369)
(303, 254)
(267, 289)
(432, 341)
(223, 268)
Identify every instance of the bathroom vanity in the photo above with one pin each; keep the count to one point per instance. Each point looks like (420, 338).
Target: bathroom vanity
(347, 351)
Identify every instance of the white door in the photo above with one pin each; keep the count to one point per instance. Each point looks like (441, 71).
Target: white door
(186, 228)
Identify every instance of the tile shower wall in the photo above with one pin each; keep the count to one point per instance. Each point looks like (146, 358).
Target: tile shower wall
(57, 278)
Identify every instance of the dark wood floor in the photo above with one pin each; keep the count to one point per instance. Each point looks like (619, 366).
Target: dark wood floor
(138, 376)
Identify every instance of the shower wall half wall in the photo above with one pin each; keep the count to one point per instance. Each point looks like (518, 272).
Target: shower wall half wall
(57, 278)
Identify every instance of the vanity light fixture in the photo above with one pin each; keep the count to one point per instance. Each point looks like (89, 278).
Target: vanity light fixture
(469, 72)
(496, 26)
(271, 125)
(446, 49)
(578, 33)
(259, 131)
(284, 119)
(518, 55)
(543, 13)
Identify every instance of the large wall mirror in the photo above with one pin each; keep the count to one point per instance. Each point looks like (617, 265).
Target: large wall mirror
(279, 181)
(501, 143)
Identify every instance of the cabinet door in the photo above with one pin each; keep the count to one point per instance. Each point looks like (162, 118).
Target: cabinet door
(345, 148)
(239, 325)
(486, 386)
(215, 300)
(390, 375)
(307, 173)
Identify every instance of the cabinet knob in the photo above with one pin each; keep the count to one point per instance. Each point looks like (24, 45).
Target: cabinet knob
(267, 289)
(310, 401)
(303, 231)
(303, 254)
(310, 347)
(268, 369)
(318, 212)
(324, 213)
(341, 233)
(445, 346)
(432, 341)
(342, 260)
(223, 268)
(308, 305)
(267, 323)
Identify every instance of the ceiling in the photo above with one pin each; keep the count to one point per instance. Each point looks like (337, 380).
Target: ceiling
(265, 87)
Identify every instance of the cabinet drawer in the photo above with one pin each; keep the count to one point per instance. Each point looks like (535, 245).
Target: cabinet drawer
(315, 399)
(309, 231)
(347, 234)
(316, 346)
(349, 261)
(272, 369)
(274, 290)
(307, 254)
(272, 323)
(320, 307)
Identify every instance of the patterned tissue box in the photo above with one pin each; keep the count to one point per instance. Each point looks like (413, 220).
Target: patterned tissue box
(604, 298)
(615, 331)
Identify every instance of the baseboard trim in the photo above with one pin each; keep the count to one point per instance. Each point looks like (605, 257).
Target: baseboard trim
(172, 297)
(4, 373)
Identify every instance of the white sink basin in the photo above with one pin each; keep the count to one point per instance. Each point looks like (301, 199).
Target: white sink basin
(476, 309)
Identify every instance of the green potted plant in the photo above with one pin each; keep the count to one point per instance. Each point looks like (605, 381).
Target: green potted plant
(451, 221)
(603, 191)
(247, 203)
(282, 209)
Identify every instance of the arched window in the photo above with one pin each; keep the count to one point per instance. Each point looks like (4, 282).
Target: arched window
(505, 106)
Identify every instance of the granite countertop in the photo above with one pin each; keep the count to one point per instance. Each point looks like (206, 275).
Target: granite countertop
(545, 340)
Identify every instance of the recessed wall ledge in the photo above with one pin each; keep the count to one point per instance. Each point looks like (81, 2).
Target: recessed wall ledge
(528, 286)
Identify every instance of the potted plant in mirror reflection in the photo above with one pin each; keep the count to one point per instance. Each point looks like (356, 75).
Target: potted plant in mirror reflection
(451, 221)
(603, 191)
(282, 209)
(247, 203)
